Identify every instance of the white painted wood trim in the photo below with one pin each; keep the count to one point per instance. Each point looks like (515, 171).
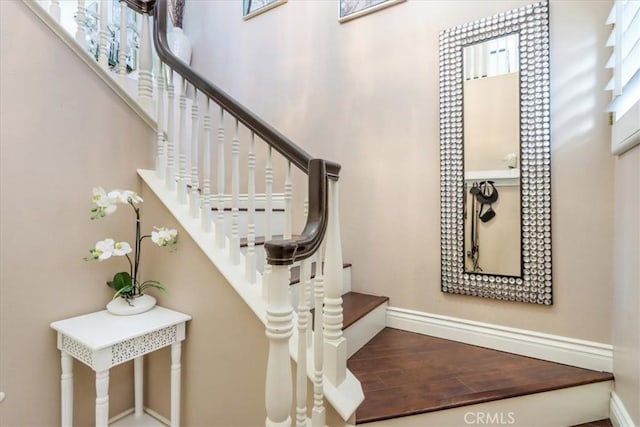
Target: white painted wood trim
(260, 202)
(345, 398)
(362, 331)
(618, 413)
(554, 348)
(111, 79)
(564, 407)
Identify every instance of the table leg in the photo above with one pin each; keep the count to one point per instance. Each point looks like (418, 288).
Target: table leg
(138, 380)
(102, 398)
(66, 388)
(176, 350)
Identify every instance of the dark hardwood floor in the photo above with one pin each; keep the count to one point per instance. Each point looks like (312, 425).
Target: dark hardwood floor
(600, 423)
(404, 373)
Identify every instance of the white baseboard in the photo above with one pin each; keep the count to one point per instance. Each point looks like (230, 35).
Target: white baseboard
(618, 413)
(554, 348)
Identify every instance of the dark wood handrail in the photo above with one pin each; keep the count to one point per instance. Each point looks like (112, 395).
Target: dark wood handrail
(319, 171)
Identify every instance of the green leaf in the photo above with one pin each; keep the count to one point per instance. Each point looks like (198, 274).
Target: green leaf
(121, 281)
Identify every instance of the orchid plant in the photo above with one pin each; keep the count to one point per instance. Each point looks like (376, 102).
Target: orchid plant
(126, 284)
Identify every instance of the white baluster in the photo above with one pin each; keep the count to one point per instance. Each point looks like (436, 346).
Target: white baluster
(103, 56)
(250, 261)
(122, 51)
(335, 358)
(54, 9)
(303, 325)
(81, 34)
(279, 390)
(288, 199)
(145, 65)
(171, 148)
(220, 235)
(102, 398)
(160, 141)
(234, 249)
(268, 178)
(318, 412)
(205, 215)
(182, 138)
(194, 195)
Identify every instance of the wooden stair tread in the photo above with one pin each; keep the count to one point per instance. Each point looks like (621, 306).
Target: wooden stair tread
(356, 305)
(404, 373)
(259, 240)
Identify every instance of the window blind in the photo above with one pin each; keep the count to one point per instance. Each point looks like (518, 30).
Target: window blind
(625, 81)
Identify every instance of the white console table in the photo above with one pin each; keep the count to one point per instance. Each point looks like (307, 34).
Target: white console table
(101, 340)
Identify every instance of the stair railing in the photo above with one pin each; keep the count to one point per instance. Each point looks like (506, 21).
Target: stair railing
(191, 177)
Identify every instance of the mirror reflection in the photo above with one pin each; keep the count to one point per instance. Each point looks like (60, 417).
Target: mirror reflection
(491, 117)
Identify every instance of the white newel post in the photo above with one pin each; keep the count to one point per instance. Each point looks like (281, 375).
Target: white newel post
(81, 35)
(171, 148)
(194, 195)
(234, 249)
(102, 398)
(279, 387)
(103, 55)
(220, 235)
(335, 356)
(303, 325)
(205, 214)
(250, 261)
(182, 141)
(160, 141)
(318, 412)
(268, 183)
(122, 50)
(66, 388)
(145, 65)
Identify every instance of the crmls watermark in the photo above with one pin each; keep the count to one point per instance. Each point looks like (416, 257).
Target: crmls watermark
(490, 418)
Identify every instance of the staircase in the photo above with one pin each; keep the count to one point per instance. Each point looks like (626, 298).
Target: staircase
(337, 339)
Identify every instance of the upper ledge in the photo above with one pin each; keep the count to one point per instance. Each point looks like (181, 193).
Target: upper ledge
(112, 80)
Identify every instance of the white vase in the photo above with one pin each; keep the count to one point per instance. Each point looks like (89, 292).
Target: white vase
(180, 44)
(137, 305)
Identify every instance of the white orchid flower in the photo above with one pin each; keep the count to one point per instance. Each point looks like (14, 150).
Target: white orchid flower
(104, 204)
(163, 236)
(103, 249)
(124, 196)
(121, 249)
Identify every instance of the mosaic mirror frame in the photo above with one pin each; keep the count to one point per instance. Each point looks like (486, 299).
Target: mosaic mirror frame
(531, 22)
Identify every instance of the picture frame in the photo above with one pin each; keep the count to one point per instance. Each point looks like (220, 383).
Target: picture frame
(352, 9)
(251, 8)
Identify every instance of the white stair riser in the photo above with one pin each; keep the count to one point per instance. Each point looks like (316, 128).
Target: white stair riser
(277, 222)
(364, 329)
(346, 287)
(564, 407)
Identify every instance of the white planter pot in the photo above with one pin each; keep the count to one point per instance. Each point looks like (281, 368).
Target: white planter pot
(137, 305)
(180, 44)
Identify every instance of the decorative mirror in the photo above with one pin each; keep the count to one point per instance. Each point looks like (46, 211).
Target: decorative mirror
(495, 159)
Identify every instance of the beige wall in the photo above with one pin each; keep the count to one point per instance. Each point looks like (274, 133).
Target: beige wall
(626, 296)
(53, 150)
(365, 94)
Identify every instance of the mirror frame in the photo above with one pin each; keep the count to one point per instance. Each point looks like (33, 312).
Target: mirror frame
(531, 22)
